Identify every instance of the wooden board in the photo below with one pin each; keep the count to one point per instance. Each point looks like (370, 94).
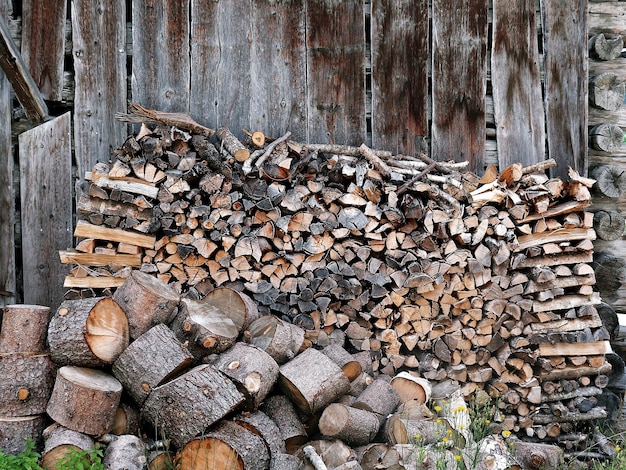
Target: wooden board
(516, 84)
(336, 71)
(565, 46)
(46, 204)
(278, 68)
(400, 55)
(87, 230)
(606, 17)
(43, 44)
(575, 349)
(161, 63)
(220, 64)
(459, 81)
(7, 205)
(100, 83)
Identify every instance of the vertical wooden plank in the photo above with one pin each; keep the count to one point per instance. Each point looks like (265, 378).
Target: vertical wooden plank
(516, 83)
(400, 54)
(566, 91)
(8, 289)
(220, 64)
(459, 81)
(336, 71)
(278, 68)
(46, 208)
(100, 79)
(160, 70)
(43, 44)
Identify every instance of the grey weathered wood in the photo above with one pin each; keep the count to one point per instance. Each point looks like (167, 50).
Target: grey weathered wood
(566, 66)
(400, 54)
(46, 208)
(7, 206)
(21, 80)
(459, 81)
(160, 70)
(278, 68)
(43, 44)
(220, 64)
(516, 84)
(335, 68)
(100, 80)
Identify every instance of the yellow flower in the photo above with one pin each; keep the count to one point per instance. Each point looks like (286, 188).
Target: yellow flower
(437, 408)
(462, 426)
(445, 439)
(457, 457)
(450, 432)
(417, 437)
(438, 421)
(617, 448)
(506, 433)
(487, 421)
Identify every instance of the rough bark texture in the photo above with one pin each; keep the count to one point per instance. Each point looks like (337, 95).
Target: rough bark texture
(26, 384)
(24, 329)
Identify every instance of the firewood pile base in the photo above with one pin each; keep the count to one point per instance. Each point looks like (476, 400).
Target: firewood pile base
(283, 298)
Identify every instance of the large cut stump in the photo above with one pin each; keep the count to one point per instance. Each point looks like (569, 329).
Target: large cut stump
(127, 452)
(228, 447)
(237, 306)
(189, 404)
(253, 371)
(146, 301)
(85, 400)
(204, 328)
(153, 358)
(89, 332)
(26, 382)
(280, 339)
(24, 329)
(60, 441)
(353, 426)
(312, 380)
(411, 387)
(15, 432)
(281, 410)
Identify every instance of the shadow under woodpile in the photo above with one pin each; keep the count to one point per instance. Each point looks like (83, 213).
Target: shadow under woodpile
(260, 303)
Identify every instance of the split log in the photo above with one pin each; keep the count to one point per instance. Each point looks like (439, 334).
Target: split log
(606, 137)
(606, 91)
(228, 445)
(88, 332)
(282, 411)
(59, 441)
(253, 371)
(146, 301)
(125, 451)
(280, 339)
(85, 400)
(186, 406)
(24, 329)
(332, 452)
(354, 426)
(312, 381)
(26, 384)
(153, 358)
(16, 431)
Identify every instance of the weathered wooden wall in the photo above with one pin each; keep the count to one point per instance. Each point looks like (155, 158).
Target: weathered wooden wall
(460, 80)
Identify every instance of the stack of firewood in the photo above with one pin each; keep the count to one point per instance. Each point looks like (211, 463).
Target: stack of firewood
(482, 283)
